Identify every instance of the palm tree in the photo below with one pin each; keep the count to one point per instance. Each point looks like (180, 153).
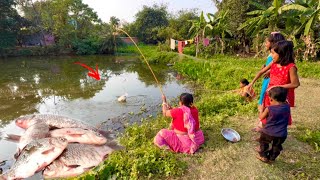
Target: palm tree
(220, 28)
(198, 29)
(114, 22)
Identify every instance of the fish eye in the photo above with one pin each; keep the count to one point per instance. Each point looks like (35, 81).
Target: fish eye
(62, 139)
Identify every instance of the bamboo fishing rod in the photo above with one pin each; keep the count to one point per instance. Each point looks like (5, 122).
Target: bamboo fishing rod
(154, 76)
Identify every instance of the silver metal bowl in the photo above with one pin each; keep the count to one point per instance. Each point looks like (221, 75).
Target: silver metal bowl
(230, 134)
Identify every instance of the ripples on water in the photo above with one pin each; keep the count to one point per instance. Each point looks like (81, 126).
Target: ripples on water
(57, 86)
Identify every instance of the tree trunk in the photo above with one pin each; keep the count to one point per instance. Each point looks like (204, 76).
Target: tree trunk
(38, 23)
(115, 44)
(197, 46)
(222, 45)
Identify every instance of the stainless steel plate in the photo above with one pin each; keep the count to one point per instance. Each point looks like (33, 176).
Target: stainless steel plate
(230, 134)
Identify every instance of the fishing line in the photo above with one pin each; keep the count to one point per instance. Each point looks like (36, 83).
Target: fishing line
(214, 90)
(159, 85)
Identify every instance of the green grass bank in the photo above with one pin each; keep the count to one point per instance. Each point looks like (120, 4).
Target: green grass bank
(218, 108)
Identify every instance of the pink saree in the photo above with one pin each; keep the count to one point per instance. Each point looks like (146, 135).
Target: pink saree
(189, 143)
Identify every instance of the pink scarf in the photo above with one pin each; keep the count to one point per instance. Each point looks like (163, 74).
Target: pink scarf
(190, 125)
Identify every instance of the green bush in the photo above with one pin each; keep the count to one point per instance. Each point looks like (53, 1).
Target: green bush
(190, 50)
(164, 47)
(87, 46)
(35, 51)
(311, 137)
(25, 52)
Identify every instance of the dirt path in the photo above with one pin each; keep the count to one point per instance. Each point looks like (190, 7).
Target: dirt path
(225, 160)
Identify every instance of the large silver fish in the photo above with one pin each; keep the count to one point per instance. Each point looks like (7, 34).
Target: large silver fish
(79, 135)
(35, 157)
(76, 159)
(55, 121)
(36, 131)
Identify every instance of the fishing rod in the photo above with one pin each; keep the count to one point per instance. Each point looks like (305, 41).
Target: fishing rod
(154, 76)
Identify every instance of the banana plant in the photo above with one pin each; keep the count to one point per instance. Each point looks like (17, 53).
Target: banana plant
(309, 14)
(220, 28)
(263, 18)
(198, 29)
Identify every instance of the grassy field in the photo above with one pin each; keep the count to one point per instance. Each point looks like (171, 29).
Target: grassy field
(218, 159)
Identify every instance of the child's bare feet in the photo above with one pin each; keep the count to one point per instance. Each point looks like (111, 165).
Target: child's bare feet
(256, 129)
(263, 159)
(257, 149)
(255, 139)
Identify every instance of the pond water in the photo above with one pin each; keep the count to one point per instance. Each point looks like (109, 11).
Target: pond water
(55, 85)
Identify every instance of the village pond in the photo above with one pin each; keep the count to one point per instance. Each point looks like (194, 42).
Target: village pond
(55, 85)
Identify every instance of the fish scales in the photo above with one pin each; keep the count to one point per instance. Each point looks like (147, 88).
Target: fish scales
(36, 156)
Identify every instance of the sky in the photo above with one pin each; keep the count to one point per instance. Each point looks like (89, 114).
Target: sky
(126, 9)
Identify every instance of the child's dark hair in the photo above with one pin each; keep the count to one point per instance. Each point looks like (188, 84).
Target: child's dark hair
(244, 81)
(274, 38)
(279, 94)
(285, 51)
(186, 99)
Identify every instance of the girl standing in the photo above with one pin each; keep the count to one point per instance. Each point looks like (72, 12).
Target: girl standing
(273, 38)
(283, 72)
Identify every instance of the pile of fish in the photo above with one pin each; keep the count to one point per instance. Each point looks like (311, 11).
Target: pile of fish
(58, 146)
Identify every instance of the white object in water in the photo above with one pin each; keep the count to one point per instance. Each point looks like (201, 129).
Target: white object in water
(123, 98)
(230, 134)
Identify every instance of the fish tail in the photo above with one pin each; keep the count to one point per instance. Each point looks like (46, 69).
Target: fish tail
(12, 137)
(114, 145)
(107, 134)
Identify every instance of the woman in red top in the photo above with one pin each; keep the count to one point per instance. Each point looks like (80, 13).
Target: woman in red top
(283, 72)
(184, 134)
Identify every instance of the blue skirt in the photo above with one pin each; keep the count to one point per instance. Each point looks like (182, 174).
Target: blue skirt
(264, 88)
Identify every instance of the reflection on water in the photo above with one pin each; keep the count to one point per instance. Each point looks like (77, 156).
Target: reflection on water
(57, 86)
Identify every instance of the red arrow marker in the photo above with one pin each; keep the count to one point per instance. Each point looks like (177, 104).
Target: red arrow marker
(93, 73)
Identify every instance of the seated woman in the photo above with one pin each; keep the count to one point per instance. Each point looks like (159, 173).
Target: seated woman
(245, 92)
(184, 134)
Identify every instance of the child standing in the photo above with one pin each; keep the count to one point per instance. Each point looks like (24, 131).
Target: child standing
(275, 129)
(283, 72)
(273, 38)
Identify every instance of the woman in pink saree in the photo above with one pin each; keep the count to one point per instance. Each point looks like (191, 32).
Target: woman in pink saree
(184, 134)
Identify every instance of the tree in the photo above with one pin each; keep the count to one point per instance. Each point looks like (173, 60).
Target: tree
(220, 28)
(237, 14)
(309, 14)
(114, 22)
(149, 22)
(9, 24)
(180, 24)
(198, 29)
(68, 20)
(265, 19)
(237, 10)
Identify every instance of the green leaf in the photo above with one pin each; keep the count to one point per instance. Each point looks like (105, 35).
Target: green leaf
(308, 26)
(249, 22)
(258, 5)
(255, 12)
(288, 7)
